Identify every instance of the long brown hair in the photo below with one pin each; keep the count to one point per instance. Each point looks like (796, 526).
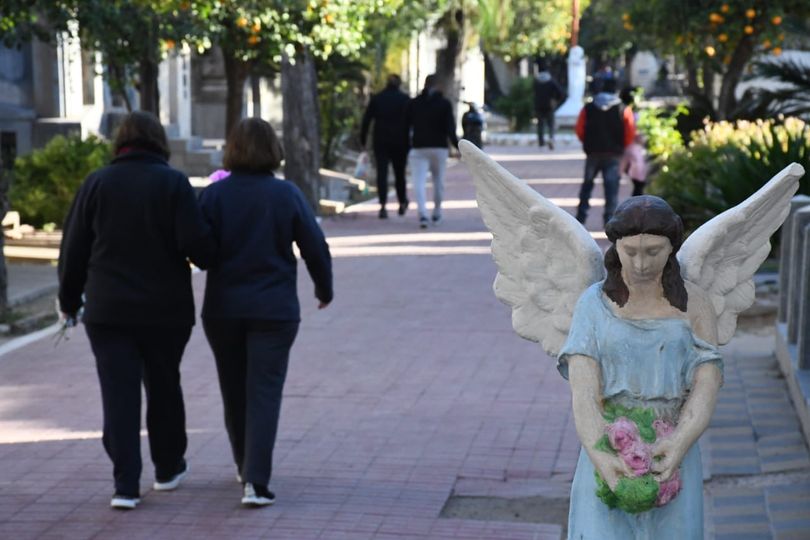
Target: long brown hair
(142, 131)
(645, 214)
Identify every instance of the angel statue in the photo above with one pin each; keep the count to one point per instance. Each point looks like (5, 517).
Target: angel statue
(635, 332)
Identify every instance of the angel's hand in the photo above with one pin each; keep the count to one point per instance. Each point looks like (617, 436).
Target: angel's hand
(668, 453)
(611, 468)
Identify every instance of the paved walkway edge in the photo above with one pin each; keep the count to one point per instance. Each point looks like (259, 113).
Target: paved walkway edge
(27, 339)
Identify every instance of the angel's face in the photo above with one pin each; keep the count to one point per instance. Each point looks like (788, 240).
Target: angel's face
(643, 257)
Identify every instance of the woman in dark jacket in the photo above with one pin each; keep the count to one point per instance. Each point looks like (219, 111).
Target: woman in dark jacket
(251, 312)
(126, 241)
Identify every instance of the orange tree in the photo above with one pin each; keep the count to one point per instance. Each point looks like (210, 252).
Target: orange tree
(131, 36)
(714, 38)
(285, 36)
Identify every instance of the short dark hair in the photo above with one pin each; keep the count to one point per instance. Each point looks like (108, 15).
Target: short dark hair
(542, 65)
(394, 80)
(431, 81)
(608, 84)
(645, 214)
(253, 146)
(142, 130)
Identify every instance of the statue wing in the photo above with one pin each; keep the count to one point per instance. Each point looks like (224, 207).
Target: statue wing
(545, 258)
(722, 255)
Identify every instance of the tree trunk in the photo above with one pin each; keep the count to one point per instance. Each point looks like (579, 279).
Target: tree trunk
(148, 70)
(493, 86)
(302, 155)
(3, 270)
(148, 91)
(236, 73)
(709, 95)
(256, 94)
(448, 58)
(692, 87)
(727, 101)
(119, 85)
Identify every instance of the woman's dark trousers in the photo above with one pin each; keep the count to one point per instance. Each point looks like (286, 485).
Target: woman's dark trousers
(125, 357)
(252, 358)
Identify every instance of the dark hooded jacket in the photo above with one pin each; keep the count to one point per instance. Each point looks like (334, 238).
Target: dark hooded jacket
(605, 126)
(430, 118)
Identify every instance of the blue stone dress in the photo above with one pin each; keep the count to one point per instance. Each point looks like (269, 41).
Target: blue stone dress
(648, 363)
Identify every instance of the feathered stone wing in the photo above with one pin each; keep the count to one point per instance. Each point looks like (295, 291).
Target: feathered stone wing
(722, 255)
(545, 258)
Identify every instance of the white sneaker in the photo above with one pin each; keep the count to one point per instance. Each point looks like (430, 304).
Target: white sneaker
(124, 502)
(172, 482)
(256, 495)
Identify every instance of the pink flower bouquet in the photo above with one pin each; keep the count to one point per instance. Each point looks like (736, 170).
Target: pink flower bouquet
(631, 434)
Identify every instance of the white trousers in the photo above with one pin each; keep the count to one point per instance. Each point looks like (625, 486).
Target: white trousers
(422, 160)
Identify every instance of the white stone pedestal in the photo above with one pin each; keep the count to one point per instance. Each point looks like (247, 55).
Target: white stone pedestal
(566, 114)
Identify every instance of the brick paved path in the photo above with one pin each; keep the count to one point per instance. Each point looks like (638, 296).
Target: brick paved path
(760, 485)
(410, 388)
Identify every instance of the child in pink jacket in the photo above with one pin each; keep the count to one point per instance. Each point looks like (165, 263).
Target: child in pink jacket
(634, 163)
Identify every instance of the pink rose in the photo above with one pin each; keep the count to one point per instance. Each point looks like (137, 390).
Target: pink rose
(638, 456)
(622, 433)
(662, 428)
(669, 489)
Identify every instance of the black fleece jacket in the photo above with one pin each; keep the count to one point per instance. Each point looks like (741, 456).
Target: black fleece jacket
(256, 219)
(430, 117)
(387, 110)
(126, 240)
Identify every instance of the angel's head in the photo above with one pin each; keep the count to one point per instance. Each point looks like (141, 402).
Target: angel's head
(645, 232)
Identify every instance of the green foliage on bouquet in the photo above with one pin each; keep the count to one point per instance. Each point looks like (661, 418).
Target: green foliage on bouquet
(642, 417)
(633, 495)
(603, 445)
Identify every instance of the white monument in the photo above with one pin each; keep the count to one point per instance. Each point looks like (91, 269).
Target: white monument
(566, 114)
(644, 70)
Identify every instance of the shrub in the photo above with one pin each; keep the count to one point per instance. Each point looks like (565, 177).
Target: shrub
(518, 104)
(727, 162)
(660, 129)
(44, 182)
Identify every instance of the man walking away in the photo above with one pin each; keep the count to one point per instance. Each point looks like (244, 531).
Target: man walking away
(387, 109)
(547, 93)
(430, 120)
(605, 127)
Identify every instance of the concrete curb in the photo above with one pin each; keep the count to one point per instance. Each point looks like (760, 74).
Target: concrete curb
(27, 339)
(35, 294)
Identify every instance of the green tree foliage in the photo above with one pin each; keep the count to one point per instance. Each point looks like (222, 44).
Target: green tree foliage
(714, 38)
(132, 37)
(605, 34)
(521, 28)
(45, 181)
(392, 24)
(254, 33)
(20, 20)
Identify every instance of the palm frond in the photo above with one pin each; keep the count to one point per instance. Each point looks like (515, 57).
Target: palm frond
(791, 96)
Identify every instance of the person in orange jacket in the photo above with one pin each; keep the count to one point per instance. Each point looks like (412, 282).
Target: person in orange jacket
(605, 127)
